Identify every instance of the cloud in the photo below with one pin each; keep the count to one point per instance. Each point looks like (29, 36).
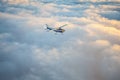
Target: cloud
(88, 50)
(14, 62)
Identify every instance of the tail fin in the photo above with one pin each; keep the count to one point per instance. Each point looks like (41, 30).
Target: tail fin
(47, 27)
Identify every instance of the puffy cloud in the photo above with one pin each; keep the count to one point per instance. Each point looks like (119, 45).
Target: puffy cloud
(88, 50)
(17, 1)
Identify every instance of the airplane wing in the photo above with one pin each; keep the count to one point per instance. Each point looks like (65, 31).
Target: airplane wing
(63, 26)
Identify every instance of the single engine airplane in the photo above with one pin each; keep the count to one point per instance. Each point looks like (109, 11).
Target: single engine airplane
(57, 30)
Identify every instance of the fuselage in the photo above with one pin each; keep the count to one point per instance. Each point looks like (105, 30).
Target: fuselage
(59, 30)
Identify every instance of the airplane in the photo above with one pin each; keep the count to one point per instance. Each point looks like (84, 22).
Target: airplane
(57, 30)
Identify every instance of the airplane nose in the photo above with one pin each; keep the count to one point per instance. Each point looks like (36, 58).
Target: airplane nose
(63, 30)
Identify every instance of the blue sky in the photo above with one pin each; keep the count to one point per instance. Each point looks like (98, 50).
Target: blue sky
(88, 50)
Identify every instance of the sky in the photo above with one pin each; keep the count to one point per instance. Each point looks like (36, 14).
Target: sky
(89, 49)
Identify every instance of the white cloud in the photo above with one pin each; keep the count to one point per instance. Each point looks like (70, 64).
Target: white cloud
(88, 50)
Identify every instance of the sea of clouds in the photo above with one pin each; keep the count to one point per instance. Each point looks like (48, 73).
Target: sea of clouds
(89, 49)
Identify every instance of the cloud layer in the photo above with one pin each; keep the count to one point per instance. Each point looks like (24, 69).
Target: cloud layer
(88, 50)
